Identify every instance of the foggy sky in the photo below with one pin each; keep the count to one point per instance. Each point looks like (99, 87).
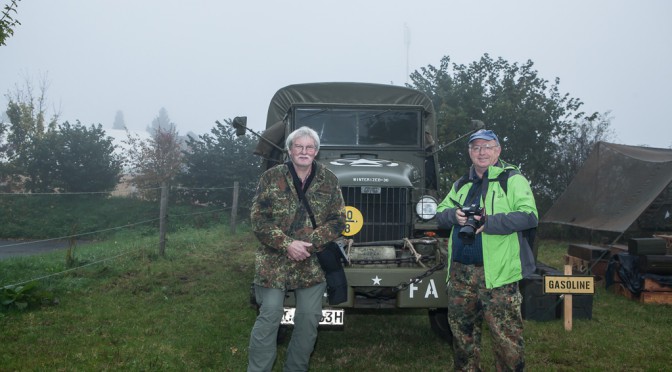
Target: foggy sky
(212, 60)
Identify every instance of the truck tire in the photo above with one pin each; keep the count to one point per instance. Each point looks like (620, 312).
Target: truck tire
(438, 321)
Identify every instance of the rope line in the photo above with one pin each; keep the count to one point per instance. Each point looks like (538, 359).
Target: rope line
(73, 236)
(76, 235)
(110, 192)
(112, 228)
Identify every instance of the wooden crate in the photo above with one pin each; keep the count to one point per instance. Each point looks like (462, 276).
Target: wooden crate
(618, 248)
(588, 252)
(664, 298)
(654, 293)
(668, 239)
(581, 266)
(651, 285)
(621, 290)
(616, 278)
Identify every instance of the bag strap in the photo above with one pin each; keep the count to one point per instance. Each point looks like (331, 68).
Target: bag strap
(503, 179)
(302, 188)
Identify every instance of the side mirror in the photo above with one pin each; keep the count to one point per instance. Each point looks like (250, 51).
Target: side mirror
(240, 123)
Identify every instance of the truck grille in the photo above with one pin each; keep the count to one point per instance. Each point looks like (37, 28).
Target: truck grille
(386, 214)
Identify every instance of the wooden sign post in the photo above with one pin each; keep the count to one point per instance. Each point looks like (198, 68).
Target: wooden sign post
(567, 315)
(567, 285)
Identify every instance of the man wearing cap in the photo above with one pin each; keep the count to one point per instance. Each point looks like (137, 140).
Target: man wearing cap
(489, 257)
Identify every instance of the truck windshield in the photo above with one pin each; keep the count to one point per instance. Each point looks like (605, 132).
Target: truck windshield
(363, 127)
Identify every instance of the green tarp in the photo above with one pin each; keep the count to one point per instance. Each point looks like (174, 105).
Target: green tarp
(617, 186)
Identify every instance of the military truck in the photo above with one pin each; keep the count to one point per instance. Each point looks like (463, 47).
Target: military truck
(380, 141)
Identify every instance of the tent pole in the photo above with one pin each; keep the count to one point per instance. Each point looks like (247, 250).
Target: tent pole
(615, 240)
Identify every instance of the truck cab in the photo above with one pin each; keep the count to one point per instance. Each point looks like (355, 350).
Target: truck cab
(379, 140)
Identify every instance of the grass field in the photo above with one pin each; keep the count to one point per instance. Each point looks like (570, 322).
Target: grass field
(127, 309)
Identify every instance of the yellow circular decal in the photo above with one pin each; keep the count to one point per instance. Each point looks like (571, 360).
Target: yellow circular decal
(353, 221)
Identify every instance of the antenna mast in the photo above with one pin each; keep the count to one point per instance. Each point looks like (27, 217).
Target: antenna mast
(407, 43)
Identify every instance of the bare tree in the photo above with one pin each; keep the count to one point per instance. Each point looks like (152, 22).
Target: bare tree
(156, 160)
(575, 148)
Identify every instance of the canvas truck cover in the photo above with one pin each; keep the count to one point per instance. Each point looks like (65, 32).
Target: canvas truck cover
(615, 185)
(339, 93)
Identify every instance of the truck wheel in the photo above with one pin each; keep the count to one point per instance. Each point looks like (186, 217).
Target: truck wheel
(438, 320)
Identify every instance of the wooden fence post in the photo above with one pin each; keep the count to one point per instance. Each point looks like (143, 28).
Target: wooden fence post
(162, 218)
(234, 208)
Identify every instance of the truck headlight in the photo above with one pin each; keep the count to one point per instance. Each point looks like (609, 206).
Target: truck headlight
(426, 207)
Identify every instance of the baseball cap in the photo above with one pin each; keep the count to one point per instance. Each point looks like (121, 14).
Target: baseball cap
(484, 134)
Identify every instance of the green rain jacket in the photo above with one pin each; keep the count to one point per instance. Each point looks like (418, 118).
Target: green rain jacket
(507, 257)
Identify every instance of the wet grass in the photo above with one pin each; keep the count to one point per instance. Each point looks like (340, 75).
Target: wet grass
(190, 311)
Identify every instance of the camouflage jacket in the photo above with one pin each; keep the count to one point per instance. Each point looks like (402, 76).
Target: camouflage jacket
(278, 218)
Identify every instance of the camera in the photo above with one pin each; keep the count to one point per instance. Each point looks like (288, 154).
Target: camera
(468, 232)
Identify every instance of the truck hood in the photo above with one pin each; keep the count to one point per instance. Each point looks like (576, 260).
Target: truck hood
(373, 172)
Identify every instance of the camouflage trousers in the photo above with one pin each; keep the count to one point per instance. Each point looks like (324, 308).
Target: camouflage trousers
(470, 302)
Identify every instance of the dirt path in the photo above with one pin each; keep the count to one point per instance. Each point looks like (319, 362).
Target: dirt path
(13, 248)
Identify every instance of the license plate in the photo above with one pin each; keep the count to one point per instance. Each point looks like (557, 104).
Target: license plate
(329, 316)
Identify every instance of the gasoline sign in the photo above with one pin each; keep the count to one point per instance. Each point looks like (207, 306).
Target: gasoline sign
(353, 221)
(566, 284)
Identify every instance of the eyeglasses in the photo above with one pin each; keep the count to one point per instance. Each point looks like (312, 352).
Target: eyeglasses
(486, 148)
(309, 148)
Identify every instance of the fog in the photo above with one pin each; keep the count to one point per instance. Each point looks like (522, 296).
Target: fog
(211, 60)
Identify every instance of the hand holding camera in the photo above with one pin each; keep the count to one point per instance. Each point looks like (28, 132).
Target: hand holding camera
(473, 220)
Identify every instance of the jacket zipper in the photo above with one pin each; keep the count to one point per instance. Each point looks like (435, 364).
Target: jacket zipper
(492, 203)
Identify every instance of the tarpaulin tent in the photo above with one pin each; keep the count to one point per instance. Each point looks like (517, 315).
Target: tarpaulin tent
(616, 186)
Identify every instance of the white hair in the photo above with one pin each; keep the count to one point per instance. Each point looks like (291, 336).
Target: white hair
(302, 132)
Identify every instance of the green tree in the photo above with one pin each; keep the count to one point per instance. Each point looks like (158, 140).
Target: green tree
(533, 118)
(86, 159)
(4, 145)
(39, 167)
(41, 156)
(73, 158)
(26, 112)
(214, 162)
(7, 21)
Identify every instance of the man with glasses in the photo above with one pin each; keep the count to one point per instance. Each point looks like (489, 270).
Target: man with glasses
(291, 232)
(486, 211)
